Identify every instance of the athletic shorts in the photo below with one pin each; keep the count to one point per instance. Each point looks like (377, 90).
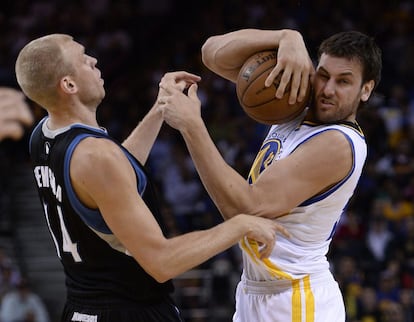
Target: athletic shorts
(310, 299)
(164, 311)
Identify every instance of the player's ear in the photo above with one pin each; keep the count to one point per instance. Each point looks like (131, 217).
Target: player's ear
(68, 85)
(367, 90)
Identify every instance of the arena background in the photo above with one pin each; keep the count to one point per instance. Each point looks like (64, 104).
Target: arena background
(136, 42)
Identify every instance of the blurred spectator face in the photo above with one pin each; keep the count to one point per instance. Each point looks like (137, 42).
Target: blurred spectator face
(392, 312)
(369, 299)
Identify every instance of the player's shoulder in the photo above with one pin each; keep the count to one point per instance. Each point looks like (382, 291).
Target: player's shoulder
(328, 141)
(97, 150)
(343, 126)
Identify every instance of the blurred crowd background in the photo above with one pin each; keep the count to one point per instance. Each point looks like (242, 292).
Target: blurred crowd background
(137, 41)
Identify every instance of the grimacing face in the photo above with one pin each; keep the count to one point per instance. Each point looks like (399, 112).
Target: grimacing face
(338, 89)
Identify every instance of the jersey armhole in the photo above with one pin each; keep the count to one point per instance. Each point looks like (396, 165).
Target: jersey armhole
(336, 186)
(91, 217)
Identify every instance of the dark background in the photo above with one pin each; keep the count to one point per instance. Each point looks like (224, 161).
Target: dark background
(136, 42)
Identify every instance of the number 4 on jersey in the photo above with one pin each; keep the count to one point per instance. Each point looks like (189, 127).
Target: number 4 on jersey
(67, 245)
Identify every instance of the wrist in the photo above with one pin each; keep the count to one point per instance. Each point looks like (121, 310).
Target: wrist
(241, 223)
(192, 127)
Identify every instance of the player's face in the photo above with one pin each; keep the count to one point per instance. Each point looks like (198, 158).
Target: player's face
(338, 89)
(87, 76)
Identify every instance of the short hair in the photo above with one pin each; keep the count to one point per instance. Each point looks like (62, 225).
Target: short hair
(355, 45)
(40, 65)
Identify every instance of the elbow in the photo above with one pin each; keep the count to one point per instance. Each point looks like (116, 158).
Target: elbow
(162, 278)
(161, 273)
(208, 52)
(156, 265)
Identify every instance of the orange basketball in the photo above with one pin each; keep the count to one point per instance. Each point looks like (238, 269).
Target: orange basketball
(259, 102)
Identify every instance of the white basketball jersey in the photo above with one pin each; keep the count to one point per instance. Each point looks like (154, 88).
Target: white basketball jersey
(311, 224)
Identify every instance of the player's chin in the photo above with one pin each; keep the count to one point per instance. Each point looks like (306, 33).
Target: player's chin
(325, 116)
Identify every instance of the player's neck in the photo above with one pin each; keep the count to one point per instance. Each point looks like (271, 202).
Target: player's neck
(60, 121)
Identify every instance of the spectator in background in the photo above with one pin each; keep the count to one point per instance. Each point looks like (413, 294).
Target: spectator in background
(407, 303)
(397, 209)
(349, 236)
(9, 273)
(182, 189)
(23, 305)
(367, 306)
(379, 244)
(392, 311)
(404, 252)
(388, 288)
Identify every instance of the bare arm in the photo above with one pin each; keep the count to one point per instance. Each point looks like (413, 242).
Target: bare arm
(142, 138)
(225, 54)
(115, 194)
(312, 168)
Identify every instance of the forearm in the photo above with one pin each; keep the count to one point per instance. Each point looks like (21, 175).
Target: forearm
(225, 54)
(187, 251)
(230, 192)
(142, 138)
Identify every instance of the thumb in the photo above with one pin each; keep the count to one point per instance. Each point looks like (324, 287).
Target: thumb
(192, 91)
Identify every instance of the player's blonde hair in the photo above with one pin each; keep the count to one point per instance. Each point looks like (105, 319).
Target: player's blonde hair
(40, 66)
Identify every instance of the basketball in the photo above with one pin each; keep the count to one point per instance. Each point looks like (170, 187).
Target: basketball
(259, 102)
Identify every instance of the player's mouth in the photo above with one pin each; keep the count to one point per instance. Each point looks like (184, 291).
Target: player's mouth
(326, 103)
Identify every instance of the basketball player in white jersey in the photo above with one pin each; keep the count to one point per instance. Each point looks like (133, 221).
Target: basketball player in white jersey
(304, 174)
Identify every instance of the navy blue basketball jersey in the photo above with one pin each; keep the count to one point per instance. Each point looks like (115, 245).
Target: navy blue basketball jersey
(96, 270)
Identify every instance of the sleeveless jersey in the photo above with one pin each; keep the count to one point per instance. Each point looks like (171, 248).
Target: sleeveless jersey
(98, 269)
(311, 224)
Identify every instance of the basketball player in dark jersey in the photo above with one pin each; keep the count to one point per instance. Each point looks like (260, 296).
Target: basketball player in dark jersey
(98, 200)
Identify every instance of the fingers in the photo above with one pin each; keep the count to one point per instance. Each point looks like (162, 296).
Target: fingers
(192, 92)
(180, 80)
(169, 93)
(298, 83)
(266, 248)
(14, 113)
(305, 83)
(12, 130)
(265, 235)
(282, 230)
(273, 74)
(268, 244)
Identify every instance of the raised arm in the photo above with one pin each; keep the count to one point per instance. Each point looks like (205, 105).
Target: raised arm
(317, 164)
(142, 138)
(225, 54)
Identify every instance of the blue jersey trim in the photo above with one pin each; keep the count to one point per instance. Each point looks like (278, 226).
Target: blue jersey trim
(142, 178)
(92, 217)
(33, 132)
